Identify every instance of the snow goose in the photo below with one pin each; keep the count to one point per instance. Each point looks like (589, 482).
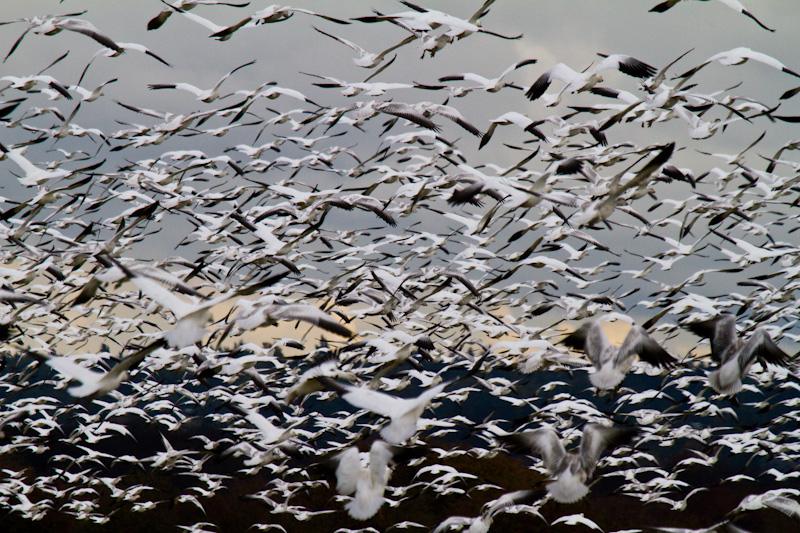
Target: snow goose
(53, 24)
(733, 4)
(774, 499)
(595, 211)
(611, 362)
(571, 470)
(204, 95)
(423, 20)
(33, 174)
(268, 15)
(90, 96)
(582, 81)
(738, 56)
(486, 84)
(699, 128)
(364, 476)
(191, 318)
(403, 413)
(356, 88)
(94, 383)
(510, 502)
(734, 355)
(269, 309)
(363, 111)
(159, 20)
(269, 433)
(512, 117)
(108, 52)
(365, 59)
(428, 109)
(327, 365)
(26, 83)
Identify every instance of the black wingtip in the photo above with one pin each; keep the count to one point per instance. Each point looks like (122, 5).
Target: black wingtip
(538, 88)
(576, 340)
(478, 364)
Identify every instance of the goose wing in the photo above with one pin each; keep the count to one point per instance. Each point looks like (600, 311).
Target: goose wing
(761, 346)
(545, 443)
(720, 330)
(596, 439)
(638, 342)
(590, 338)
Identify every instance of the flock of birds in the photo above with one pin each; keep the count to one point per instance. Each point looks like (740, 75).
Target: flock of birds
(363, 323)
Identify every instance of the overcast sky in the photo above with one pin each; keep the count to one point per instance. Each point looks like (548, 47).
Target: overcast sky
(568, 31)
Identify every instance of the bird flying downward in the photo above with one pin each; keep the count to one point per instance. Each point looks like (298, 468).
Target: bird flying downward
(599, 210)
(734, 355)
(571, 470)
(365, 58)
(364, 480)
(611, 362)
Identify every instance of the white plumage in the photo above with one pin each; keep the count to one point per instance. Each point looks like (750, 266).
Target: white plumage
(403, 413)
(611, 362)
(364, 476)
(571, 470)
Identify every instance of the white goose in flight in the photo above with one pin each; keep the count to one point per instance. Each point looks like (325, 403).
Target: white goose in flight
(571, 470)
(365, 58)
(611, 362)
(54, 24)
(33, 174)
(204, 95)
(733, 354)
(423, 20)
(733, 4)
(738, 56)
(94, 383)
(268, 15)
(583, 81)
(486, 84)
(191, 318)
(365, 480)
(159, 20)
(403, 413)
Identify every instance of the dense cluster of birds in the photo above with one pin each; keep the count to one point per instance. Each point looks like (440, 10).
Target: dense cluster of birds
(348, 316)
